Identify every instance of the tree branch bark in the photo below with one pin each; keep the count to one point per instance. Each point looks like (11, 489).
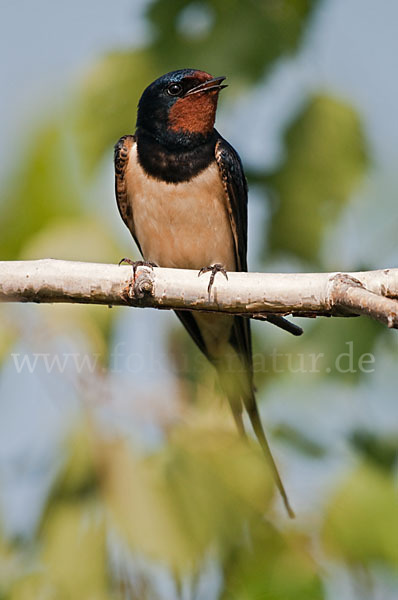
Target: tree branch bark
(253, 295)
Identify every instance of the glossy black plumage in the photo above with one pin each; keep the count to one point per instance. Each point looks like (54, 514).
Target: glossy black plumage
(176, 164)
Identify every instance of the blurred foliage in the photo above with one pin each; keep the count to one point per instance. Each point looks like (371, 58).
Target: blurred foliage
(10, 566)
(83, 238)
(193, 495)
(361, 523)
(211, 31)
(342, 349)
(299, 441)
(9, 332)
(272, 565)
(203, 492)
(380, 451)
(71, 559)
(107, 102)
(348, 353)
(74, 552)
(45, 214)
(44, 186)
(78, 478)
(192, 369)
(325, 157)
(206, 491)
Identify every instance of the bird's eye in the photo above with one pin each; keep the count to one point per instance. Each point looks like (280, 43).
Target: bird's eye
(174, 89)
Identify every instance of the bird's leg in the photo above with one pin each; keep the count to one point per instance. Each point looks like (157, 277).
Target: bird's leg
(137, 263)
(213, 269)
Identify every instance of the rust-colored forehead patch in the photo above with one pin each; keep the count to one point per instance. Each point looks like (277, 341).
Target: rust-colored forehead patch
(200, 76)
(195, 113)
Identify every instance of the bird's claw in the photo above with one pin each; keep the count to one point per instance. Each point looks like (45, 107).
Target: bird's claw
(137, 263)
(213, 269)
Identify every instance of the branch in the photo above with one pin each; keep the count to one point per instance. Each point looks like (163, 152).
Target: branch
(253, 295)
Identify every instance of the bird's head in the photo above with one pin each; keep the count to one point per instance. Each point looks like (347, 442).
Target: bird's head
(180, 107)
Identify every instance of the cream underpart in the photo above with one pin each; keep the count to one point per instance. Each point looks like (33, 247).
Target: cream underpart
(181, 225)
(184, 225)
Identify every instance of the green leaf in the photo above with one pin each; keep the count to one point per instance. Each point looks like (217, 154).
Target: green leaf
(361, 524)
(325, 159)
(299, 441)
(78, 478)
(382, 450)
(74, 551)
(271, 565)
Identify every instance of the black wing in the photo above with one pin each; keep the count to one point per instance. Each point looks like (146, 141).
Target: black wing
(235, 186)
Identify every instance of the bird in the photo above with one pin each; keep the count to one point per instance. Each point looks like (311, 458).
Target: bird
(182, 192)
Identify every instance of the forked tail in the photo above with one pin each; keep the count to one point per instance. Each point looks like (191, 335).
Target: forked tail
(240, 393)
(254, 416)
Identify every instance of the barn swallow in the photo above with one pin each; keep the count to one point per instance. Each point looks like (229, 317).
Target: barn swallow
(182, 192)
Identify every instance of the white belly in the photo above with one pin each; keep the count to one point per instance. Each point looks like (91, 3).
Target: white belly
(183, 225)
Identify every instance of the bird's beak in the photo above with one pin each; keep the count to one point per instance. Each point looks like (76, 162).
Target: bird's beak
(208, 86)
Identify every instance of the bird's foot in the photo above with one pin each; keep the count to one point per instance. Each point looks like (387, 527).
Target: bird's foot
(137, 263)
(213, 269)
